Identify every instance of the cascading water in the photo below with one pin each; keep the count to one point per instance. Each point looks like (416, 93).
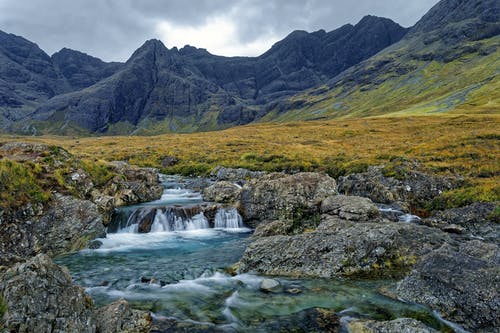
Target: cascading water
(168, 221)
(228, 219)
(169, 257)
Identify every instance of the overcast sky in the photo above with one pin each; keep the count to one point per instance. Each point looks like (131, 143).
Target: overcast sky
(113, 29)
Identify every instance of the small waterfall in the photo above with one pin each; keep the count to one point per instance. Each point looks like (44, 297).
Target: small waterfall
(168, 220)
(228, 219)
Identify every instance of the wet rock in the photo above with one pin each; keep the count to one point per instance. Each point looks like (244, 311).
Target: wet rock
(171, 325)
(222, 192)
(120, 317)
(401, 325)
(134, 185)
(95, 244)
(235, 175)
(477, 220)
(69, 225)
(351, 249)
(350, 208)
(40, 297)
(279, 196)
(410, 188)
(144, 225)
(462, 283)
(270, 285)
(309, 320)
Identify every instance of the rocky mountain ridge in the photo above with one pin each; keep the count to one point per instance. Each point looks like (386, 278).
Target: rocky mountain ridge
(190, 89)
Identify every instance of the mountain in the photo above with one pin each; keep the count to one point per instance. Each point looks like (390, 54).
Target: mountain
(81, 70)
(29, 77)
(448, 62)
(160, 89)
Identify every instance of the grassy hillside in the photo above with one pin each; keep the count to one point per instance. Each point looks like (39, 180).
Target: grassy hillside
(409, 78)
(468, 145)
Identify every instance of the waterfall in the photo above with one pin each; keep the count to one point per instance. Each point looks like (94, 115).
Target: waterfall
(228, 219)
(168, 220)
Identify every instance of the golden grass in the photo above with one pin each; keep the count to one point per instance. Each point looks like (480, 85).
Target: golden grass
(468, 145)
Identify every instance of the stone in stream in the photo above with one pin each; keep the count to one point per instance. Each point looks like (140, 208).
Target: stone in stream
(351, 208)
(401, 325)
(120, 317)
(461, 282)
(270, 285)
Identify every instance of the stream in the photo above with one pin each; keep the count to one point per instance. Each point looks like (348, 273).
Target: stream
(170, 257)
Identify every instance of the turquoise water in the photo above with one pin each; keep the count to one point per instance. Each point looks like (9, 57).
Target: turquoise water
(181, 275)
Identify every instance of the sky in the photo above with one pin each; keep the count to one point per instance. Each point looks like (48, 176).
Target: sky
(113, 29)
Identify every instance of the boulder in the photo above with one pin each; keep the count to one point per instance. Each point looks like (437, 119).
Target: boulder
(476, 220)
(69, 225)
(222, 192)
(401, 325)
(134, 185)
(40, 297)
(269, 285)
(353, 249)
(461, 282)
(407, 187)
(350, 208)
(119, 317)
(279, 196)
(235, 175)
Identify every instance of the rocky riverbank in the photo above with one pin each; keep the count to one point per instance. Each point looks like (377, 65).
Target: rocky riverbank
(66, 204)
(308, 225)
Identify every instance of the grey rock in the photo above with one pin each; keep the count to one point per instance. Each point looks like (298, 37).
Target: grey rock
(401, 325)
(235, 175)
(279, 196)
(40, 297)
(350, 208)
(352, 249)
(476, 220)
(222, 192)
(411, 188)
(120, 317)
(269, 285)
(69, 225)
(168, 161)
(461, 283)
(273, 228)
(135, 185)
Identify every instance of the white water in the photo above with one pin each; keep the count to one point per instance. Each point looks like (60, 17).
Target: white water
(228, 219)
(168, 221)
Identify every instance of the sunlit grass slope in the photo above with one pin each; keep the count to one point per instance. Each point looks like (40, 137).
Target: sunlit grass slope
(401, 81)
(467, 145)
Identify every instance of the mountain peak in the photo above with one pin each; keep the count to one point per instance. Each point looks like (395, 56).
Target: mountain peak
(454, 20)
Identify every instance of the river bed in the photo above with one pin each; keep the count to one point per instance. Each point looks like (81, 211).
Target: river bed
(179, 270)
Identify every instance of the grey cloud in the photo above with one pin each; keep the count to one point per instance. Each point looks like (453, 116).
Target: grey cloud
(113, 29)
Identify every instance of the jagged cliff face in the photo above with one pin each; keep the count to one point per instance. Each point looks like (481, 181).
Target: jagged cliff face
(448, 61)
(191, 89)
(29, 77)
